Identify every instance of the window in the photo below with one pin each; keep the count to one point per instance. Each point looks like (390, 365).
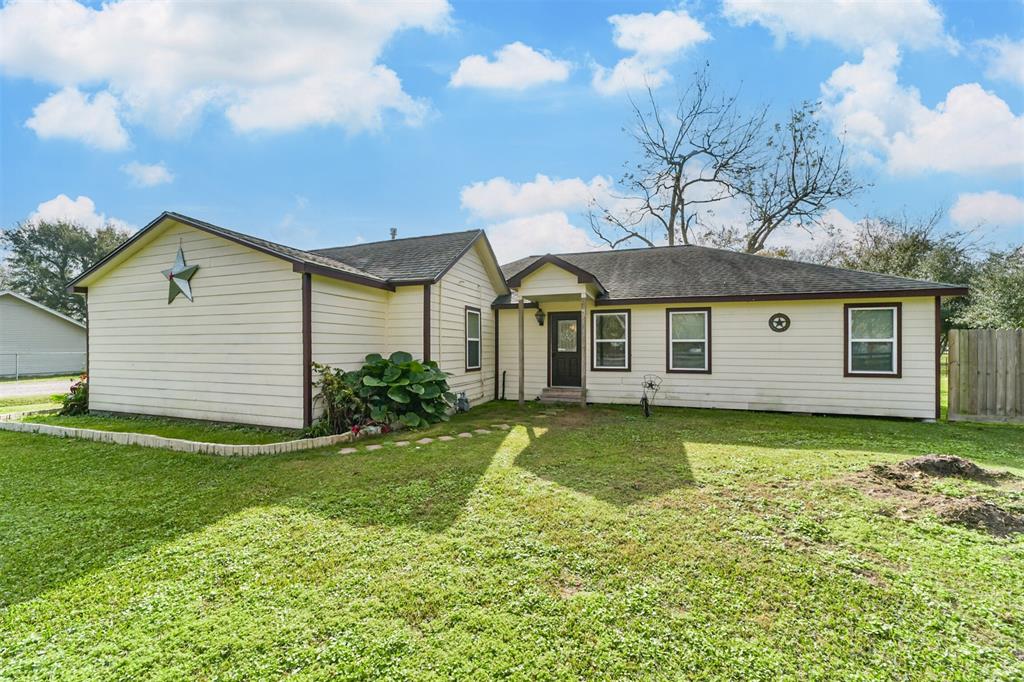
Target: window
(611, 340)
(689, 340)
(472, 338)
(872, 340)
(567, 341)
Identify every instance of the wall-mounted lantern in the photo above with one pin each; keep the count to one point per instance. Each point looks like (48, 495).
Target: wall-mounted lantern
(540, 317)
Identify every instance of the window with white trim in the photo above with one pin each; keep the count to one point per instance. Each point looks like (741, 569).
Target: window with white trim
(688, 340)
(872, 346)
(472, 338)
(611, 340)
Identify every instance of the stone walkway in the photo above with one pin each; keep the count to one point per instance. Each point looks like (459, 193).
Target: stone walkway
(425, 441)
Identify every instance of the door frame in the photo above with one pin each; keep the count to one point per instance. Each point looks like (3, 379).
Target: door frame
(565, 314)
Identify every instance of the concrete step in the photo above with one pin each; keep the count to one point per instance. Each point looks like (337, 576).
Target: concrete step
(561, 395)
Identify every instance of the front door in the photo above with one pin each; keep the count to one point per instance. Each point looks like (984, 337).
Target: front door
(564, 343)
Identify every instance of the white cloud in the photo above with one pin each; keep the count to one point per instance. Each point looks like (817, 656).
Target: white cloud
(539, 234)
(1005, 59)
(987, 208)
(148, 175)
(267, 65)
(914, 23)
(502, 198)
(72, 115)
(515, 67)
(656, 41)
(971, 131)
(80, 211)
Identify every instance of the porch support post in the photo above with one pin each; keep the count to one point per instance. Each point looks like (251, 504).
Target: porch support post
(522, 354)
(585, 350)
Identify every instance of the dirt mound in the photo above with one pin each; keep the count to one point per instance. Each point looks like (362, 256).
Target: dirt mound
(976, 513)
(907, 484)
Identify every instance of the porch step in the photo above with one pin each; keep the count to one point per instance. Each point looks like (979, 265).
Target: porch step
(561, 395)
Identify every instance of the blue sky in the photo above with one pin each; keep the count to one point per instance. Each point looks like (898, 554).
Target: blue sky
(325, 124)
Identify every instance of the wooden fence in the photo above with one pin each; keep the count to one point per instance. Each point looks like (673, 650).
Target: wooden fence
(986, 375)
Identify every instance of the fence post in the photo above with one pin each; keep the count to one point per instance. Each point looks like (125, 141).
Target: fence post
(15, 366)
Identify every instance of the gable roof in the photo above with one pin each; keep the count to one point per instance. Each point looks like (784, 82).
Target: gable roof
(411, 259)
(37, 304)
(699, 273)
(383, 265)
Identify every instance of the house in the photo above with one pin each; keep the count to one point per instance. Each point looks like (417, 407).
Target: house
(193, 320)
(38, 341)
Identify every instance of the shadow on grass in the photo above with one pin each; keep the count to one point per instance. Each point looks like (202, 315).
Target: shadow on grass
(68, 507)
(620, 461)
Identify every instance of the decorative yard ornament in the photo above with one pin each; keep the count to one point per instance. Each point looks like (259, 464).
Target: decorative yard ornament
(178, 277)
(779, 322)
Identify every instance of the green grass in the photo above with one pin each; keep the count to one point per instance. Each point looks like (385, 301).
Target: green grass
(591, 544)
(189, 429)
(28, 403)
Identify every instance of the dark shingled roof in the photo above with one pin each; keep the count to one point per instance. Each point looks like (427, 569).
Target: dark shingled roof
(408, 259)
(698, 272)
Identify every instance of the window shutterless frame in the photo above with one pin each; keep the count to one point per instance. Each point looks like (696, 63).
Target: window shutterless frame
(628, 324)
(897, 340)
(669, 312)
(473, 313)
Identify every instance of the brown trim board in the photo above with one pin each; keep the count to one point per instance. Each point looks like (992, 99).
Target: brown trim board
(898, 305)
(307, 349)
(889, 293)
(668, 340)
(938, 358)
(426, 323)
(593, 341)
(497, 316)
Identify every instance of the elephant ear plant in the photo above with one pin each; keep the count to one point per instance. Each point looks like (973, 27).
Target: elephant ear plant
(400, 388)
(383, 391)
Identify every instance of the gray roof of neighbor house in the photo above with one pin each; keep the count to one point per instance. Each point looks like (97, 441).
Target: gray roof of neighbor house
(679, 273)
(378, 264)
(407, 259)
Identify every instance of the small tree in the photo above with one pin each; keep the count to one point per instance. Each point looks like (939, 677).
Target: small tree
(997, 293)
(43, 257)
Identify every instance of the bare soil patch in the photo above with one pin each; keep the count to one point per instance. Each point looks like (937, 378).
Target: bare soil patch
(908, 485)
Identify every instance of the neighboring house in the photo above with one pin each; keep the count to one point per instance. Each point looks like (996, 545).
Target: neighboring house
(189, 319)
(36, 340)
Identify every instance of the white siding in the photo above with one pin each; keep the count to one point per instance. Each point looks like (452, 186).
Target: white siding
(349, 322)
(234, 354)
(800, 370)
(551, 280)
(405, 321)
(44, 343)
(466, 284)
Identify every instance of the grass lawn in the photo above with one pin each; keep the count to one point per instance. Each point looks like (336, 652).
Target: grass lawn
(28, 403)
(586, 544)
(189, 429)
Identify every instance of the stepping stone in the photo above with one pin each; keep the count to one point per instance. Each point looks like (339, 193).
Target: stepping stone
(425, 441)
(401, 443)
(503, 427)
(445, 438)
(375, 446)
(481, 431)
(347, 451)
(465, 434)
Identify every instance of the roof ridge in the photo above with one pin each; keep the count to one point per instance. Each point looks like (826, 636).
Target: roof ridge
(399, 239)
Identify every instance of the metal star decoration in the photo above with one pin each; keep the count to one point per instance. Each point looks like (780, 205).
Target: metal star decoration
(178, 277)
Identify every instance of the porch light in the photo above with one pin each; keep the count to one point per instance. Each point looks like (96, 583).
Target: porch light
(540, 317)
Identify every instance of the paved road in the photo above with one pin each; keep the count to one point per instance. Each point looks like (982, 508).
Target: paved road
(11, 389)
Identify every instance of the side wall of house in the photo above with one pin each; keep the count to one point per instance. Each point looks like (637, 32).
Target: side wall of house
(466, 284)
(349, 322)
(753, 368)
(405, 321)
(234, 354)
(43, 342)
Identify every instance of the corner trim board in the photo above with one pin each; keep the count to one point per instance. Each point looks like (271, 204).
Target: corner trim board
(426, 323)
(307, 349)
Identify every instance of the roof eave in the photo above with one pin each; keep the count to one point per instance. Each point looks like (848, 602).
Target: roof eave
(797, 296)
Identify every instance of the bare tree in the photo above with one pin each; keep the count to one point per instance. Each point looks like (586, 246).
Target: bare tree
(802, 174)
(689, 160)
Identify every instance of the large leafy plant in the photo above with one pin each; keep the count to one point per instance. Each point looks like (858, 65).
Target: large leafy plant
(400, 388)
(77, 399)
(343, 408)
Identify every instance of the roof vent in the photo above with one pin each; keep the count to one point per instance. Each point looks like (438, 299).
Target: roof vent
(394, 232)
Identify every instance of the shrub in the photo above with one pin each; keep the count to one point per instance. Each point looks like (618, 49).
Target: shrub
(401, 389)
(77, 399)
(343, 409)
